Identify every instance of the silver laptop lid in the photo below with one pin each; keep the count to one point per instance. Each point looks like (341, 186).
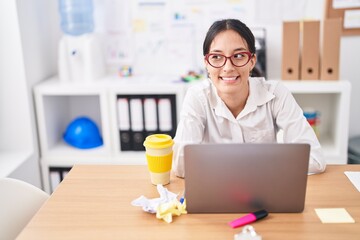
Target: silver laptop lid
(227, 178)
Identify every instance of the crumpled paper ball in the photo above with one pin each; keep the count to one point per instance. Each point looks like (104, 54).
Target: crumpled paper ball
(165, 211)
(166, 206)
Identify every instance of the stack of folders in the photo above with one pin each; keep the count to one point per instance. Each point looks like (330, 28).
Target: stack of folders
(142, 115)
(311, 50)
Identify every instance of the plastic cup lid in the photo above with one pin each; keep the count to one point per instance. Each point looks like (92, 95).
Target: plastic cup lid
(158, 141)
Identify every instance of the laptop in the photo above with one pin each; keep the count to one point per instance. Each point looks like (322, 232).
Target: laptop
(246, 177)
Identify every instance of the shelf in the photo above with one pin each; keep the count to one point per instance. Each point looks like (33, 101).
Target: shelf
(11, 160)
(318, 87)
(144, 84)
(63, 151)
(130, 158)
(58, 103)
(70, 162)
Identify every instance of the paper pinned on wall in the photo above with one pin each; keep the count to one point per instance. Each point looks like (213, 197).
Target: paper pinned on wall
(139, 25)
(354, 178)
(346, 4)
(119, 49)
(115, 16)
(352, 19)
(289, 10)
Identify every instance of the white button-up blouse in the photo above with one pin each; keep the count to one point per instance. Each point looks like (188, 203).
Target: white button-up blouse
(270, 107)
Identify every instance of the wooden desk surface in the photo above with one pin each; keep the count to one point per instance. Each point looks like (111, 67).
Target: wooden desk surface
(93, 202)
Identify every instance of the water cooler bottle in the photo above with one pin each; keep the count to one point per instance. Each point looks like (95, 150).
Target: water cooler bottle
(81, 57)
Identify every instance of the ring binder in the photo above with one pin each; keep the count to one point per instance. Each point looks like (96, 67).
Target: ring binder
(310, 51)
(330, 49)
(142, 115)
(124, 123)
(291, 51)
(137, 123)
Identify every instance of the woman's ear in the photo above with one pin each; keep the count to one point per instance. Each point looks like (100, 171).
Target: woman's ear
(253, 61)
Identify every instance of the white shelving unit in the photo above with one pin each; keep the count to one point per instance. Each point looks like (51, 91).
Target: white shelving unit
(143, 86)
(58, 103)
(332, 100)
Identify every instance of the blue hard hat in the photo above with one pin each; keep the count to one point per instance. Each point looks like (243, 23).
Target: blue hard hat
(83, 133)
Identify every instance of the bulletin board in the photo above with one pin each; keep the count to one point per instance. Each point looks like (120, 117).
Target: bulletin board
(162, 36)
(166, 36)
(348, 11)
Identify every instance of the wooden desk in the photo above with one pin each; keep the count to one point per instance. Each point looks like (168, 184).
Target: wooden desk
(93, 202)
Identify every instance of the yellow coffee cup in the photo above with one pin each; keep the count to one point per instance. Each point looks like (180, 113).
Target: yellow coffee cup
(159, 157)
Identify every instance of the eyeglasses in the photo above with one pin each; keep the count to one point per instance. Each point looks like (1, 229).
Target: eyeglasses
(239, 59)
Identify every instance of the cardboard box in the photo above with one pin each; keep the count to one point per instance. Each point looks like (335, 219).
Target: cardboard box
(330, 51)
(310, 50)
(291, 51)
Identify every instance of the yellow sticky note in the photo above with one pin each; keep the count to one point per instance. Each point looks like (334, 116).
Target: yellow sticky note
(139, 25)
(334, 215)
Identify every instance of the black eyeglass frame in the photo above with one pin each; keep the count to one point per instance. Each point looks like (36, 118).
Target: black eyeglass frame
(249, 54)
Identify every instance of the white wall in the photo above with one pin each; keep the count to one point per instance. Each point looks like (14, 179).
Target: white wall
(18, 149)
(14, 122)
(350, 70)
(38, 21)
(27, 56)
(39, 40)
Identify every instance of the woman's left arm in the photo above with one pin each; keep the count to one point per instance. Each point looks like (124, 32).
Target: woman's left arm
(289, 117)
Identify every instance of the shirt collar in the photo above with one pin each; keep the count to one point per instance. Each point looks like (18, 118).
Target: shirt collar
(258, 96)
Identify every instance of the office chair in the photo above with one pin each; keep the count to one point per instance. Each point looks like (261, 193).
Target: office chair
(19, 201)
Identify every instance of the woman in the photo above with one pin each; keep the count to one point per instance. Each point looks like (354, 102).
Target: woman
(232, 107)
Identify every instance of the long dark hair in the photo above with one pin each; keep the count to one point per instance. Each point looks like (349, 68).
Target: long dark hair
(229, 24)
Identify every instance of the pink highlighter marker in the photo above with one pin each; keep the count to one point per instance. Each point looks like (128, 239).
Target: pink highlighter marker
(251, 217)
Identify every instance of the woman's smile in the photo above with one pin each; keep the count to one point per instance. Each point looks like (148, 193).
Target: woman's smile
(229, 79)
